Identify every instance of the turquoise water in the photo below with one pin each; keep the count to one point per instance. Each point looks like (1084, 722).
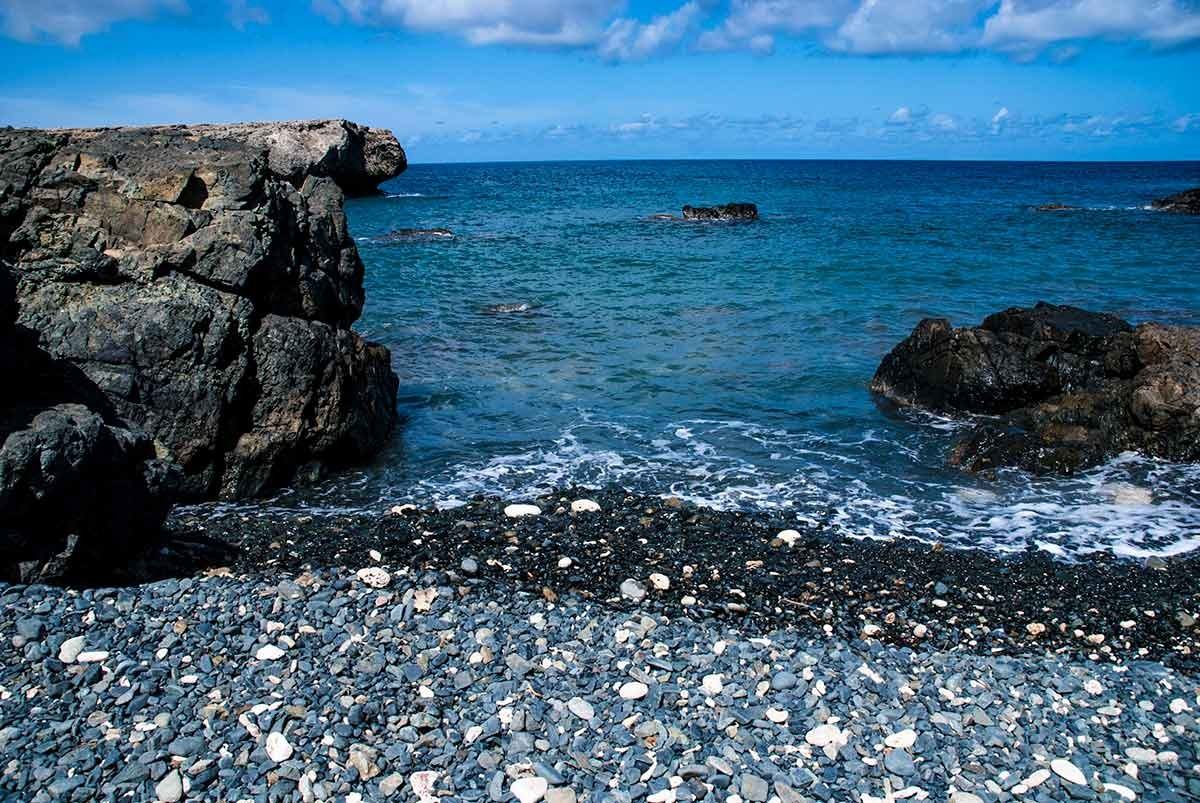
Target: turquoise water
(729, 363)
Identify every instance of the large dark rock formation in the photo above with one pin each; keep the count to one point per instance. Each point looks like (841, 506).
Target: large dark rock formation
(1069, 388)
(1186, 202)
(202, 280)
(76, 487)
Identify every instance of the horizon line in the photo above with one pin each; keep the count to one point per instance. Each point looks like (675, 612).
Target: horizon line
(966, 160)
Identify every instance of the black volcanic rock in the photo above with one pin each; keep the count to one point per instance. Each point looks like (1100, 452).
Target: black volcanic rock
(1070, 388)
(76, 487)
(162, 264)
(1186, 202)
(737, 211)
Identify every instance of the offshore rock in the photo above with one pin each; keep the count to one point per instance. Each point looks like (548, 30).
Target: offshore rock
(736, 211)
(1186, 202)
(202, 281)
(1068, 388)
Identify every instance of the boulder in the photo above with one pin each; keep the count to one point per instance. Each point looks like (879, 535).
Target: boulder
(736, 211)
(1067, 388)
(1186, 202)
(161, 264)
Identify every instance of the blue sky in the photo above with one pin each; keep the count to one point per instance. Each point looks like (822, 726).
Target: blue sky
(481, 80)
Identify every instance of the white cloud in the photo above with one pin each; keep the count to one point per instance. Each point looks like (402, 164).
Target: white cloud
(1000, 118)
(627, 39)
(68, 21)
(902, 116)
(910, 26)
(242, 13)
(1188, 122)
(485, 22)
(1021, 27)
(1034, 24)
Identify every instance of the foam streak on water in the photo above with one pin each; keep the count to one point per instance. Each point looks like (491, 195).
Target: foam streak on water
(564, 338)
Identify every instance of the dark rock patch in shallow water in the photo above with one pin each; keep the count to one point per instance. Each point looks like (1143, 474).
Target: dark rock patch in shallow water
(1072, 388)
(1186, 202)
(417, 235)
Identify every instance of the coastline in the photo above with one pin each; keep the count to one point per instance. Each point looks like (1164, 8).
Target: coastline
(731, 566)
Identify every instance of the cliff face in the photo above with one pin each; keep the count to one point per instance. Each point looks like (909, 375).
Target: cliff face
(200, 280)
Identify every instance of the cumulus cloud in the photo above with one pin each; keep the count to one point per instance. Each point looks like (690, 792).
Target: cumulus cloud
(902, 116)
(68, 21)
(628, 39)
(1023, 28)
(1000, 118)
(484, 22)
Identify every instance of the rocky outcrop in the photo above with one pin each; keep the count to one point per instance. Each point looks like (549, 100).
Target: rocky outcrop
(1186, 202)
(724, 212)
(203, 280)
(76, 487)
(1066, 388)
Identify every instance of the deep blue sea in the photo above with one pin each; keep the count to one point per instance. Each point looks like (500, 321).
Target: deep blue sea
(729, 363)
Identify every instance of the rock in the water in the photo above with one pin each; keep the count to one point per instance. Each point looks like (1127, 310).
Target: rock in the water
(402, 235)
(1186, 202)
(1056, 208)
(734, 211)
(521, 511)
(1072, 387)
(199, 282)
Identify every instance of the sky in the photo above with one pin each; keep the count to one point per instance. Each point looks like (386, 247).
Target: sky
(490, 80)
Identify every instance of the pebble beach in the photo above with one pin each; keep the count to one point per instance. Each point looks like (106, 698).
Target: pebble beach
(509, 664)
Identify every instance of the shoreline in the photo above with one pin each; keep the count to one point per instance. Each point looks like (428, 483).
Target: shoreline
(731, 565)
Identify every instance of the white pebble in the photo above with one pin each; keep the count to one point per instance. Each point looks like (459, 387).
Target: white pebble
(584, 506)
(278, 749)
(633, 690)
(665, 796)
(564, 563)
(269, 652)
(91, 657)
(1068, 771)
(633, 590)
(1123, 792)
(713, 684)
(520, 511)
(529, 790)
(1036, 778)
(374, 577)
(422, 784)
(777, 715)
(1093, 686)
(901, 739)
(788, 537)
(660, 581)
(70, 649)
(581, 708)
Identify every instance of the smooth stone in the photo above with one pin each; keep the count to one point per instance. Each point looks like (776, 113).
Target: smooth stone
(633, 690)
(91, 656)
(269, 652)
(277, 747)
(469, 566)
(581, 708)
(784, 680)
(901, 739)
(529, 790)
(560, 795)
(584, 506)
(633, 590)
(70, 649)
(1068, 772)
(899, 762)
(423, 783)
(520, 511)
(660, 581)
(754, 788)
(374, 577)
(170, 788)
(789, 537)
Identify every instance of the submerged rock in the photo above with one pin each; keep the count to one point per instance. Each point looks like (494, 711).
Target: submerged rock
(199, 283)
(403, 235)
(1056, 208)
(1071, 388)
(1186, 202)
(733, 211)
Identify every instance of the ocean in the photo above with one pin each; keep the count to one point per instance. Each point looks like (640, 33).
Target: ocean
(728, 363)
